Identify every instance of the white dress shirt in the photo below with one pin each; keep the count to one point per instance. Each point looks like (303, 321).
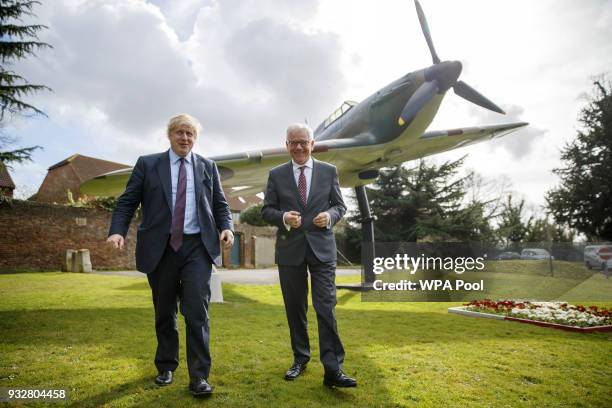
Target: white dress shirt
(191, 225)
(308, 175)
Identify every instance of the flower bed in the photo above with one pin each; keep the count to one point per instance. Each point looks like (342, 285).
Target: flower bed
(550, 314)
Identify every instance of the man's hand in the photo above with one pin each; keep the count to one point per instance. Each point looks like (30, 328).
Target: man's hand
(116, 240)
(227, 237)
(293, 219)
(322, 220)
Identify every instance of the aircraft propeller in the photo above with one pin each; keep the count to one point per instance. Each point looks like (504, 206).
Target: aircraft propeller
(439, 78)
(426, 33)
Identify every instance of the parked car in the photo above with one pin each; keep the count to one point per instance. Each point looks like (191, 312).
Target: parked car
(508, 255)
(607, 268)
(595, 256)
(535, 254)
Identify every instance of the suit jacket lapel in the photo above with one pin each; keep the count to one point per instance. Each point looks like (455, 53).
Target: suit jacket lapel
(294, 186)
(163, 170)
(200, 175)
(313, 179)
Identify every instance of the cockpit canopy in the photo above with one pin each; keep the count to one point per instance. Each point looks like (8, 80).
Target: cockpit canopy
(345, 107)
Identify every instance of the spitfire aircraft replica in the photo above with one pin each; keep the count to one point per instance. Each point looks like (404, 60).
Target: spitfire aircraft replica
(388, 128)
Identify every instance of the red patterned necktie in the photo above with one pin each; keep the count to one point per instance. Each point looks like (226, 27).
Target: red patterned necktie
(178, 217)
(302, 185)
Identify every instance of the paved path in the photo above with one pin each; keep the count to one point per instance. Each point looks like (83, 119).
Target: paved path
(242, 276)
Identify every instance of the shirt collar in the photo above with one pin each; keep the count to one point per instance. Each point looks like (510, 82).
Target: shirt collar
(297, 166)
(175, 157)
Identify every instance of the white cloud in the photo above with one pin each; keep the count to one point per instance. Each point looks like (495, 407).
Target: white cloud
(247, 68)
(120, 68)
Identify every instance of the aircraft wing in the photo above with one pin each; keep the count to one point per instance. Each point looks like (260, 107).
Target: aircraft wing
(353, 161)
(443, 140)
(107, 185)
(242, 174)
(246, 173)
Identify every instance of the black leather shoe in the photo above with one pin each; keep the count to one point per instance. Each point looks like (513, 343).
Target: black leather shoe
(199, 387)
(294, 371)
(338, 379)
(164, 378)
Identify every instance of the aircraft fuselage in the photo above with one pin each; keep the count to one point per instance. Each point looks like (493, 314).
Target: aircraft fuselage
(375, 121)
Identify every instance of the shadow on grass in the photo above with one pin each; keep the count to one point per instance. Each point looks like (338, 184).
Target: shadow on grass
(389, 327)
(345, 296)
(250, 347)
(144, 285)
(113, 393)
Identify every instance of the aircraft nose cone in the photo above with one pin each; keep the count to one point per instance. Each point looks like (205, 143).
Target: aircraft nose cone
(446, 73)
(455, 68)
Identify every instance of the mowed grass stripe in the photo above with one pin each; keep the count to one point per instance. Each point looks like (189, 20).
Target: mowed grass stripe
(94, 336)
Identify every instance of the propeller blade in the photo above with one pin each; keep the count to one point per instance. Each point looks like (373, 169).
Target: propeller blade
(418, 100)
(467, 92)
(426, 33)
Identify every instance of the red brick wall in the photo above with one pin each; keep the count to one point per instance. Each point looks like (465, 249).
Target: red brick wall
(35, 236)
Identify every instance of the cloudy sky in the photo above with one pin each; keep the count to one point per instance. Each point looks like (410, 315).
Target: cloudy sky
(246, 68)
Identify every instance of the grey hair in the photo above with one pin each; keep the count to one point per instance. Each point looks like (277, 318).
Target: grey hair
(299, 126)
(183, 119)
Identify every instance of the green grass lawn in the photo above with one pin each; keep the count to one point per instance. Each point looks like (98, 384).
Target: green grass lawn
(93, 335)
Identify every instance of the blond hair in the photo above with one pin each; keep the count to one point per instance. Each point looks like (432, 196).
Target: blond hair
(183, 119)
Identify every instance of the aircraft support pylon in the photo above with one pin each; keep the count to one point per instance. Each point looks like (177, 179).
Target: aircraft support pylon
(367, 240)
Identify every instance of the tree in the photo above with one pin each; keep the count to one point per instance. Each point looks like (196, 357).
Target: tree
(583, 200)
(511, 228)
(543, 230)
(17, 155)
(252, 216)
(17, 41)
(425, 203)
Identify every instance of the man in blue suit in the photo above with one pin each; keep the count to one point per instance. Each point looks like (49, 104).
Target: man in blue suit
(184, 218)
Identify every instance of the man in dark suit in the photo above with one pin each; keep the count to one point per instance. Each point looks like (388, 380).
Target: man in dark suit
(184, 216)
(304, 201)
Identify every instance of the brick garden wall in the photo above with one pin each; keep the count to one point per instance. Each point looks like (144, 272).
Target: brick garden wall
(35, 236)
